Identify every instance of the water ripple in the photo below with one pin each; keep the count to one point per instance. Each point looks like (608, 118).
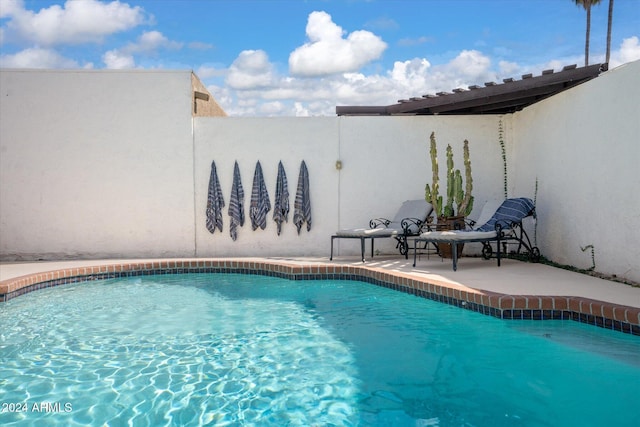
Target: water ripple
(198, 360)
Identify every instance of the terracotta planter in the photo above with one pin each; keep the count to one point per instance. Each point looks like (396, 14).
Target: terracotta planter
(449, 223)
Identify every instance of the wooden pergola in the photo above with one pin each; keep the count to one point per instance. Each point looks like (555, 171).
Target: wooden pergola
(493, 98)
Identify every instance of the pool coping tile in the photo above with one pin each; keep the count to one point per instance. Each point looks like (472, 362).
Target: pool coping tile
(504, 306)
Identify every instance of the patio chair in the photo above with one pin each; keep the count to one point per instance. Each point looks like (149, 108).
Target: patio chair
(409, 221)
(505, 226)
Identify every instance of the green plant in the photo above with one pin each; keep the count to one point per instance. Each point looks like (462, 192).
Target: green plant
(611, 277)
(451, 183)
(593, 256)
(459, 198)
(432, 193)
(504, 155)
(465, 205)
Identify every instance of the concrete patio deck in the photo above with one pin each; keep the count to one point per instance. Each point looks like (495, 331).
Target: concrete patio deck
(511, 278)
(512, 286)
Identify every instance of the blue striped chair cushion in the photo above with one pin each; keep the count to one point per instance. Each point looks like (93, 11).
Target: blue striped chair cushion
(511, 210)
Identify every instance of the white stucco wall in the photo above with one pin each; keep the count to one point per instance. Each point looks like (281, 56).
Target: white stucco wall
(385, 160)
(268, 140)
(95, 164)
(583, 147)
(112, 164)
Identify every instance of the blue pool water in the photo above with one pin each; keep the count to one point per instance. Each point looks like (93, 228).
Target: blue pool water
(225, 349)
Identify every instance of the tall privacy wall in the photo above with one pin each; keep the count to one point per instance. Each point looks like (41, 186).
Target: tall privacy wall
(583, 148)
(95, 164)
(113, 164)
(384, 161)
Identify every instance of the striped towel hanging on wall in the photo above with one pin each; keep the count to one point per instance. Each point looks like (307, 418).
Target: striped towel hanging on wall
(215, 201)
(281, 202)
(302, 205)
(260, 204)
(236, 203)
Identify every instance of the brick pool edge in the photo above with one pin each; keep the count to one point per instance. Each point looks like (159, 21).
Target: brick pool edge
(523, 307)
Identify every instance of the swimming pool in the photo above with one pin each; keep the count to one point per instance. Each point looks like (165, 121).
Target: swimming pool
(231, 349)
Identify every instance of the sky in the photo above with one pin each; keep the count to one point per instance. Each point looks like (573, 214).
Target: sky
(305, 57)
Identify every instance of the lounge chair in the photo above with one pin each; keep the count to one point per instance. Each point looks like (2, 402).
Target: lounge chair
(409, 221)
(505, 226)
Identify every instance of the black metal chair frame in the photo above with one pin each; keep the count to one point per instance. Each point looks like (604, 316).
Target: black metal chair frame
(402, 245)
(506, 233)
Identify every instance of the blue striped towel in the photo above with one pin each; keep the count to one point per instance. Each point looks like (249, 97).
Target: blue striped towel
(260, 204)
(236, 203)
(510, 211)
(281, 203)
(215, 201)
(302, 205)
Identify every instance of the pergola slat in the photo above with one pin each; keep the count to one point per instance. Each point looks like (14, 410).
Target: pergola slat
(494, 98)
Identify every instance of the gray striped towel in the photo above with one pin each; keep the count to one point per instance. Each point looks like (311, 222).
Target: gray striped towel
(281, 203)
(215, 201)
(302, 205)
(260, 204)
(236, 203)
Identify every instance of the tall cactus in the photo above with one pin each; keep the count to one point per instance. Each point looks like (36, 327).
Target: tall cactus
(451, 190)
(457, 189)
(459, 200)
(432, 193)
(465, 205)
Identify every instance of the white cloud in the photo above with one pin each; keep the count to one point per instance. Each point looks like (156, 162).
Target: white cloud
(324, 72)
(251, 70)
(410, 73)
(418, 77)
(319, 80)
(629, 51)
(116, 60)
(148, 44)
(38, 58)
(327, 52)
(223, 97)
(75, 23)
(207, 72)
(273, 108)
(471, 64)
(507, 68)
(300, 111)
(11, 7)
(319, 96)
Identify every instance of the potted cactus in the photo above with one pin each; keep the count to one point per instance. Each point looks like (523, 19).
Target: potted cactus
(459, 201)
